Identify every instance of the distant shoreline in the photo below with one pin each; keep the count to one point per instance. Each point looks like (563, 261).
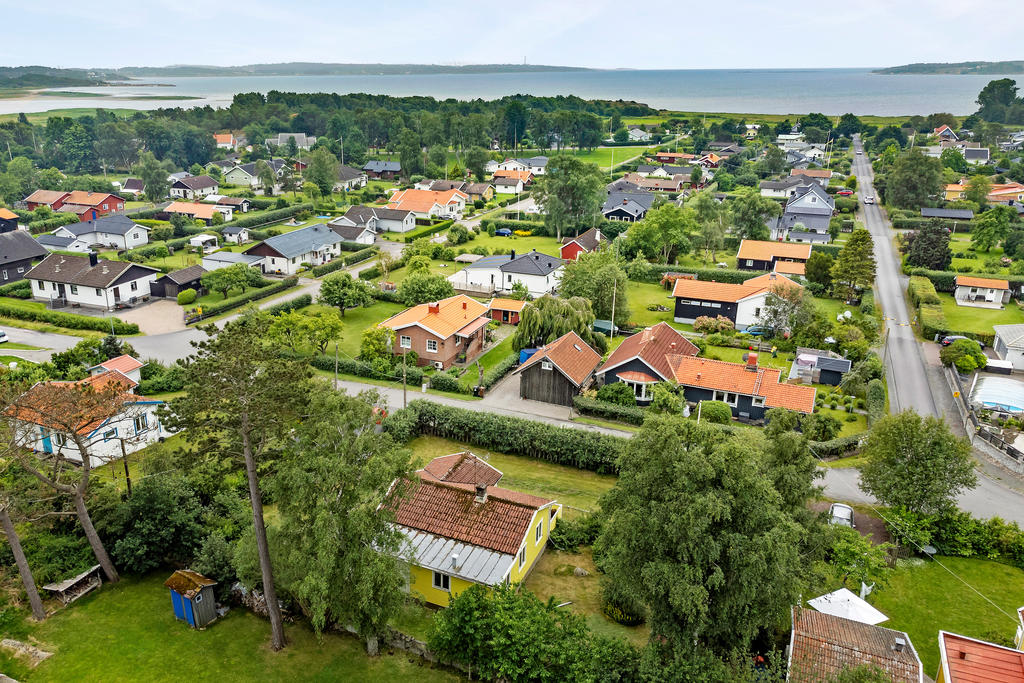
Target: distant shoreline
(1004, 68)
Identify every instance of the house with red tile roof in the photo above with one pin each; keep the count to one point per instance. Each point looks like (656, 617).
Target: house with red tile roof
(430, 204)
(968, 660)
(642, 359)
(505, 310)
(823, 646)
(750, 390)
(740, 303)
(441, 331)
(127, 365)
(558, 371)
(981, 292)
(461, 529)
(102, 411)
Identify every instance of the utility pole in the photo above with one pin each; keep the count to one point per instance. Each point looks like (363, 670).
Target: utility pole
(127, 476)
(615, 284)
(405, 401)
(335, 363)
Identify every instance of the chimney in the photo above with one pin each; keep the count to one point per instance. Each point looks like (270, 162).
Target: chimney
(512, 256)
(751, 361)
(94, 258)
(463, 305)
(672, 346)
(481, 493)
(899, 645)
(434, 307)
(455, 561)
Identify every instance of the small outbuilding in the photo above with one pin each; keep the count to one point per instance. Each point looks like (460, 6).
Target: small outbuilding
(177, 281)
(204, 242)
(558, 371)
(192, 597)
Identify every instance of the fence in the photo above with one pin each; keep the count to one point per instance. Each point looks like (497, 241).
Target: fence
(981, 435)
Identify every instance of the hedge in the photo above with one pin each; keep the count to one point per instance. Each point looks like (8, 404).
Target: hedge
(52, 223)
(922, 291)
(143, 213)
(290, 305)
(830, 249)
(513, 435)
(918, 222)
(262, 203)
(612, 411)
(70, 321)
(413, 374)
(875, 401)
(210, 310)
(427, 231)
(959, 534)
(838, 447)
(22, 289)
(360, 256)
(351, 246)
(945, 280)
(339, 263)
(504, 366)
(735, 277)
(444, 382)
(497, 223)
(270, 216)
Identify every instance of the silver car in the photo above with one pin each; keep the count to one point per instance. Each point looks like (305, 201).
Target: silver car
(841, 515)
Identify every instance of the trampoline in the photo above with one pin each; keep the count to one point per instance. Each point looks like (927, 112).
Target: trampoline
(1000, 393)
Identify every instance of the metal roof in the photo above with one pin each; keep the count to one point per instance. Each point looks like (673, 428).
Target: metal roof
(233, 257)
(960, 214)
(303, 240)
(473, 563)
(116, 224)
(835, 364)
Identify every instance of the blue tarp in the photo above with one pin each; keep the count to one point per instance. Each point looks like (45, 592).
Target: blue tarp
(525, 354)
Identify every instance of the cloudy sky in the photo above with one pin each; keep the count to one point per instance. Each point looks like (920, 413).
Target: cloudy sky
(594, 33)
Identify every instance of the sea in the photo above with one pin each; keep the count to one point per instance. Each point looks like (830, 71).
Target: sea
(763, 91)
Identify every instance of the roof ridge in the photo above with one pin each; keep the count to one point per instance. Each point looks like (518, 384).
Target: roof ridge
(493, 492)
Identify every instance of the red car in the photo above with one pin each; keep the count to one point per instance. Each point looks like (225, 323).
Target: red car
(845, 193)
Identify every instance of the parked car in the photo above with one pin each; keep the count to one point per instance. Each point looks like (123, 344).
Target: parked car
(502, 232)
(3, 337)
(841, 515)
(949, 339)
(756, 330)
(869, 199)
(860, 153)
(845, 193)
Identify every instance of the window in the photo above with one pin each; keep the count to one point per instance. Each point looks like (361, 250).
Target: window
(405, 342)
(111, 434)
(546, 364)
(135, 235)
(135, 285)
(198, 598)
(21, 269)
(60, 439)
(750, 262)
(758, 401)
(431, 346)
(74, 289)
(42, 286)
(727, 397)
(539, 532)
(522, 556)
(99, 292)
(442, 581)
(53, 286)
(757, 312)
(5, 274)
(554, 512)
(141, 423)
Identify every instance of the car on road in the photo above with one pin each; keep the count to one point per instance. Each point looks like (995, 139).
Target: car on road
(949, 339)
(3, 337)
(841, 515)
(860, 152)
(502, 232)
(869, 199)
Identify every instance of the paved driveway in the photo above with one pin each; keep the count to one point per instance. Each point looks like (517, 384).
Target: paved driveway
(156, 317)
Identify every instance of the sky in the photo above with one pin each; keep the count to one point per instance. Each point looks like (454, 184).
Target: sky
(684, 34)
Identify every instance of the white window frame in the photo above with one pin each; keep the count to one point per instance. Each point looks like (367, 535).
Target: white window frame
(74, 289)
(539, 532)
(99, 292)
(405, 341)
(750, 262)
(135, 286)
(110, 434)
(546, 365)
(440, 579)
(723, 396)
(142, 420)
(758, 401)
(431, 342)
(522, 556)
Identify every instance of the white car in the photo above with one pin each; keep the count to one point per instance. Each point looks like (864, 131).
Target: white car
(841, 515)
(869, 199)
(860, 152)
(3, 337)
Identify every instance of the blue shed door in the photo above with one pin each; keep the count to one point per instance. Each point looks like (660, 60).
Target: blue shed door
(176, 602)
(189, 616)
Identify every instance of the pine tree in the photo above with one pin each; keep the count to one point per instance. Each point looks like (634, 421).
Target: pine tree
(855, 267)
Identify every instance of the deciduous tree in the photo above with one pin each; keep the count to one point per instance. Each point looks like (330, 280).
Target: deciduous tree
(992, 227)
(855, 268)
(664, 232)
(914, 179)
(599, 277)
(420, 288)
(342, 291)
(929, 247)
(571, 192)
(750, 213)
(153, 176)
(322, 170)
(546, 319)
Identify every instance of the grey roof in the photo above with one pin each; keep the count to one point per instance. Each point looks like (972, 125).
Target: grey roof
(303, 240)
(133, 184)
(784, 184)
(232, 230)
(391, 214)
(962, 214)
(18, 245)
(361, 215)
(1012, 335)
(232, 201)
(445, 185)
(476, 188)
(223, 164)
(475, 563)
(646, 168)
(185, 275)
(233, 257)
(196, 182)
(349, 233)
(378, 166)
(976, 153)
(827, 206)
(275, 164)
(55, 242)
(506, 181)
(533, 263)
(75, 270)
(616, 199)
(621, 185)
(115, 224)
(678, 170)
(836, 364)
(589, 240)
(178, 176)
(301, 139)
(541, 161)
(346, 173)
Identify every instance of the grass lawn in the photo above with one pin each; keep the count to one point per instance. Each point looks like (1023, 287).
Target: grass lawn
(521, 245)
(608, 424)
(978, 320)
(133, 635)
(923, 599)
(856, 427)
(355, 321)
(833, 307)
(553, 576)
(764, 358)
(39, 326)
(6, 360)
(642, 294)
(568, 485)
(20, 347)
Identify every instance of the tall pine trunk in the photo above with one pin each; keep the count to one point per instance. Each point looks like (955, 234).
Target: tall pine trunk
(94, 538)
(277, 640)
(22, 562)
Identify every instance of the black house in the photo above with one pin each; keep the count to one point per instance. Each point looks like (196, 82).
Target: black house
(8, 221)
(175, 282)
(832, 370)
(627, 206)
(558, 371)
(17, 252)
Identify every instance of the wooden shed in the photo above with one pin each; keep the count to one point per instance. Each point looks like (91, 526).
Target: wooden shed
(192, 597)
(558, 371)
(175, 282)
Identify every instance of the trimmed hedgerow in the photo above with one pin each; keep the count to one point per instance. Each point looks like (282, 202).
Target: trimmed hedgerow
(69, 320)
(612, 411)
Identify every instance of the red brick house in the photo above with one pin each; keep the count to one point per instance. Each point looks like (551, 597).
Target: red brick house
(442, 331)
(506, 310)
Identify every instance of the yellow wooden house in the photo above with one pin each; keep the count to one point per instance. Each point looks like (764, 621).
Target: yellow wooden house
(460, 528)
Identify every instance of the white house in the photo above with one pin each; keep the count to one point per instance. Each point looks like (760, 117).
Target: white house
(791, 141)
(536, 165)
(377, 219)
(540, 273)
(1009, 344)
(223, 259)
(245, 174)
(116, 231)
(638, 134)
(350, 179)
(780, 189)
(132, 427)
(194, 187)
(128, 366)
(203, 242)
(430, 204)
(302, 141)
(981, 292)
(88, 281)
(359, 234)
(504, 185)
(286, 254)
(235, 235)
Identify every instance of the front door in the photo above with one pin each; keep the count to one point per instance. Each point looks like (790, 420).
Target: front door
(117, 294)
(47, 442)
(61, 291)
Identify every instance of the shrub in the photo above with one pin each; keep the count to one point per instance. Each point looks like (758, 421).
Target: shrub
(22, 289)
(504, 366)
(70, 321)
(414, 235)
(413, 374)
(186, 297)
(965, 354)
(210, 310)
(875, 401)
(617, 393)
(570, 534)
(922, 291)
(606, 409)
(621, 614)
(290, 305)
(444, 382)
(715, 411)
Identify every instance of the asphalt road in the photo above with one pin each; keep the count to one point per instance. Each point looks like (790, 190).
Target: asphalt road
(907, 376)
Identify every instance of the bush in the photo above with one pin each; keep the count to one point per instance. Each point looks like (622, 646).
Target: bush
(596, 407)
(620, 612)
(22, 289)
(922, 291)
(427, 231)
(570, 534)
(270, 216)
(512, 435)
(443, 382)
(838, 447)
(413, 374)
(717, 412)
(504, 366)
(186, 297)
(965, 354)
(52, 223)
(617, 393)
(210, 310)
(70, 321)
(290, 305)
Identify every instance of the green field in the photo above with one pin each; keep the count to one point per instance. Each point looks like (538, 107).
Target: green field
(521, 245)
(133, 635)
(923, 599)
(764, 358)
(355, 321)
(978, 320)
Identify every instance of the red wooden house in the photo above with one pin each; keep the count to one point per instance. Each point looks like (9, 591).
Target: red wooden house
(505, 310)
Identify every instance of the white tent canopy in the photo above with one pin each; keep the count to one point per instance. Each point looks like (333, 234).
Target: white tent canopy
(846, 604)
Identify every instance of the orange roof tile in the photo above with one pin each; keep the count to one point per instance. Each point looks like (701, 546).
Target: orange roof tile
(450, 510)
(637, 376)
(525, 176)
(89, 198)
(45, 196)
(123, 364)
(194, 209)
(8, 214)
(500, 304)
(966, 660)
(224, 138)
(735, 377)
(811, 172)
(790, 267)
(652, 346)
(772, 281)
(34, 405)
(570, 354)
(461, 468)
(421, 201)
(715, 291)
(760, 250)
(970, 281)
(442, 318)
